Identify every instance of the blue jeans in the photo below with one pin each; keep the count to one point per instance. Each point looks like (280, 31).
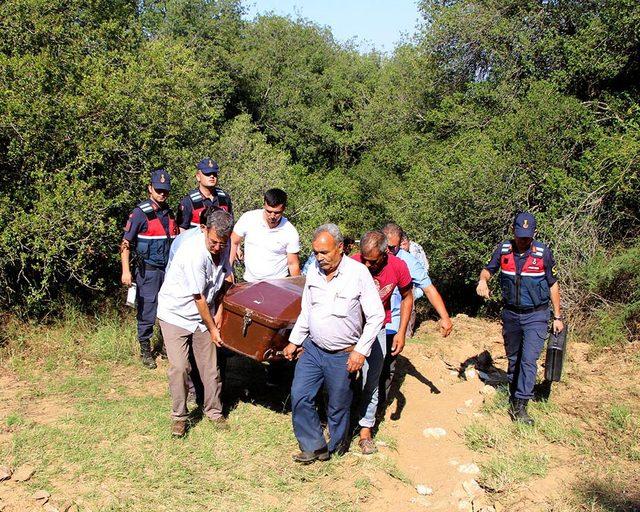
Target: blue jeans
(524, 335)
(315, 368)
(371, 372)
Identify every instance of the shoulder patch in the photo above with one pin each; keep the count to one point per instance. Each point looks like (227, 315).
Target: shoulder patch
(220, 193)
(146, 207)
(195, 196)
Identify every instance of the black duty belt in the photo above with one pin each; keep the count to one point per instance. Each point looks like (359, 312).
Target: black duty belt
(151, 267)
(518, 309)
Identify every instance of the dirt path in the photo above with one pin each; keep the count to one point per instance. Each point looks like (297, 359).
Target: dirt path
(436, 397)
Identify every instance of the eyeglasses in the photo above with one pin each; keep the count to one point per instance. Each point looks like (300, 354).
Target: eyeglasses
(222, 245)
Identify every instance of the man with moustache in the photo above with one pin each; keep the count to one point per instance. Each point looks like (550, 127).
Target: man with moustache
(340, 318)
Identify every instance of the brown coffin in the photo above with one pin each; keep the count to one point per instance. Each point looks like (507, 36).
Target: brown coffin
(258, 317)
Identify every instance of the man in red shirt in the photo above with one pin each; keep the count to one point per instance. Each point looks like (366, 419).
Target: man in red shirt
(388, 272)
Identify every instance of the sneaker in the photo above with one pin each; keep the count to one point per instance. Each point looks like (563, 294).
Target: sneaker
(179, 428)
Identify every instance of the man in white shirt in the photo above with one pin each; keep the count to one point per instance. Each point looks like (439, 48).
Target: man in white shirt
(340, 318)
(190, 312)
(271, 242)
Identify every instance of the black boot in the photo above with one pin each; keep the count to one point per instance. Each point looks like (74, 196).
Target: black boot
(518, 411)
(146, 356)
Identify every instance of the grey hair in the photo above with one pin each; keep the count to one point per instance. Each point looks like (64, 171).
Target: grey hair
(221, 221)
(391, 228)
(332, 229)
(373, 239)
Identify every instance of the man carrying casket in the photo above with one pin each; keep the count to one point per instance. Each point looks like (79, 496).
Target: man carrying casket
(340, 319)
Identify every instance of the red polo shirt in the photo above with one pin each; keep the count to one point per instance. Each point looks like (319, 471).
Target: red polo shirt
(394, 273)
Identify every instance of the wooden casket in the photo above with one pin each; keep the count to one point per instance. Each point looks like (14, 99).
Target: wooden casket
(258, 317)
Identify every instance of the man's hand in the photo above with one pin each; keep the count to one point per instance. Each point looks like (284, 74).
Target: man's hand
(355, 362)
(215, 337)
(558, 326)
(446, 326)
(126, 278)
(483, 289)
(289, 352)
(398, 344)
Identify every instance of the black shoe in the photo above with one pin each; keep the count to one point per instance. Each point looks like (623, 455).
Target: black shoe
(518, 412)
(146, 356)
(303, 457)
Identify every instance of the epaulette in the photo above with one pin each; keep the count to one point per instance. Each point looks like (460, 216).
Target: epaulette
(505, 248)
(148, 209)
(537, 250)
(221, 193)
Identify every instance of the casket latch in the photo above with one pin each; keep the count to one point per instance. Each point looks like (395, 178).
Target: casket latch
(246, 322)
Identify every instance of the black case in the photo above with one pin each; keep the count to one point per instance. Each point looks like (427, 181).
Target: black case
(556, 353)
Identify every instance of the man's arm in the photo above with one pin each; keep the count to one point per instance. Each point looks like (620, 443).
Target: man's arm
(483, 284)
(301, 328)
(235, 253)
(125, 253)
(293, 262)
(207, 319)
(406, 306)
(373, 321)
(228, 282)
(438, 304)
(485, 274)
(558, 324)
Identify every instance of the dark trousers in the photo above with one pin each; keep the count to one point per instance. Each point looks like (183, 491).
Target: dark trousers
(388, 372)
(524, 335)
(314, 369)
(148, 283)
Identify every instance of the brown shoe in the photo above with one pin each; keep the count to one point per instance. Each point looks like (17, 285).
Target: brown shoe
(179, 428)
(367, 446)
(220, 423)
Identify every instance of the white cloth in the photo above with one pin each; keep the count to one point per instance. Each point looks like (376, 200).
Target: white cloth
(178, 241)
(265, 248)
(332, 312)
(192, 272)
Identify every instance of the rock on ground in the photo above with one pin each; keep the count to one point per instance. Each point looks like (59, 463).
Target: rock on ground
(23, 473)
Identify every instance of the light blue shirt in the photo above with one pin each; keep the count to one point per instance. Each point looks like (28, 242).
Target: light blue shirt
(420, 279)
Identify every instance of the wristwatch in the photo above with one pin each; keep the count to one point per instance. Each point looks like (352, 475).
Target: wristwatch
(558, 317)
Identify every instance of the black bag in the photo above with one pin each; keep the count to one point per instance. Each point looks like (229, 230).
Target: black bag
(556, 353)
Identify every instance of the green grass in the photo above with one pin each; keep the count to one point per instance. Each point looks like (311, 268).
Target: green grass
(503, 471)
(110, 448)
(480, 437)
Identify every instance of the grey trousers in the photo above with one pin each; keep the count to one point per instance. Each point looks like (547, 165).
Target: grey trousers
(177, 341)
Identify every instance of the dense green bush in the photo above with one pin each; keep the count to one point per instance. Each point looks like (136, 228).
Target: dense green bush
(492, 107)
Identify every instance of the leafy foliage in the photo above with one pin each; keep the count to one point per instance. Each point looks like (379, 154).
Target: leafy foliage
(492, 107)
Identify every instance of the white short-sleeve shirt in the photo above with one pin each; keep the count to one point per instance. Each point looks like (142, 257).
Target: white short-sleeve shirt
(265, 248)
(192, 271)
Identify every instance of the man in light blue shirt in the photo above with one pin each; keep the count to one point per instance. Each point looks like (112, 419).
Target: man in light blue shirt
(422, 285)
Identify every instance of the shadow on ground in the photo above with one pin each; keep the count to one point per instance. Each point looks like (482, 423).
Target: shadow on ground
(246, 380)
(611, 497)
